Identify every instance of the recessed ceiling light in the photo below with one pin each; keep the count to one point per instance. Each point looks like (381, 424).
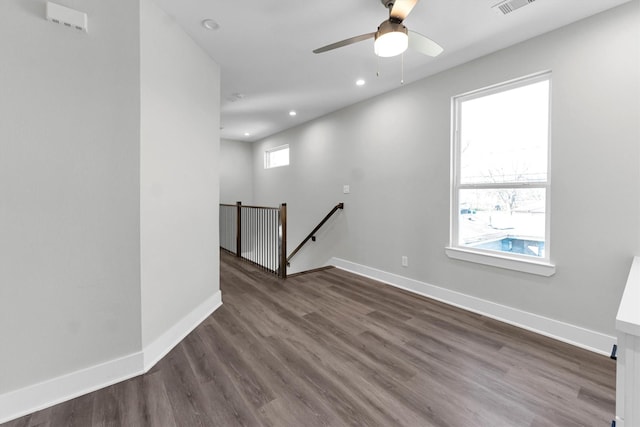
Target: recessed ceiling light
(210, 24)
(292, 113)
(247, 134)
(360, 82)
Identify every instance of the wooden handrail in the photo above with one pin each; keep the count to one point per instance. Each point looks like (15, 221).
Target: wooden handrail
(311, 235)
(250, 206)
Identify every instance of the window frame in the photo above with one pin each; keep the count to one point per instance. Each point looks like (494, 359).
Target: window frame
(518, 262)
(269, 151)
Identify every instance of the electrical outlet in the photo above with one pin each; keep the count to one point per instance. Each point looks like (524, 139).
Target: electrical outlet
(346, 189)
(405, 261)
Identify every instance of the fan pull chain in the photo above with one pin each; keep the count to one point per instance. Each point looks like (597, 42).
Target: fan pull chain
(377, 66)
(402, 70)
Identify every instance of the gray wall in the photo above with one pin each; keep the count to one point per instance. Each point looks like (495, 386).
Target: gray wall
(69, 190)
(394, 152)
(109, 147)
(236, 171)
(180, 127)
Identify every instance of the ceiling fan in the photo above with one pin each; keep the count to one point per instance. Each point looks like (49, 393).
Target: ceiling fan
(392, 37)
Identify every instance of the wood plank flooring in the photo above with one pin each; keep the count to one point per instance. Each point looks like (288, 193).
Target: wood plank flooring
(334, 349)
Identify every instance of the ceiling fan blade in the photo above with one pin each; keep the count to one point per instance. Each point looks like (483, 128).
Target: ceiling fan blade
(424, 44)
(345, 42)
(402, 8)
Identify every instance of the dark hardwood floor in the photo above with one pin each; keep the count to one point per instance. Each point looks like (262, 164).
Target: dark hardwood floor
(333, 349)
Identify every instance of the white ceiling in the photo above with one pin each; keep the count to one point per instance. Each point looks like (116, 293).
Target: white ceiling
(264, 50)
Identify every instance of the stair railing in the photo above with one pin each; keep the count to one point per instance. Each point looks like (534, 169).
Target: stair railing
(257, 234)
(312, 236)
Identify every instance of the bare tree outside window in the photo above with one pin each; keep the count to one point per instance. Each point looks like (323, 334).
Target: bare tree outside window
(501, 185)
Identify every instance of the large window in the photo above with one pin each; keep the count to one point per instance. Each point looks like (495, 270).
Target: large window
(500, 180)
(276, 157)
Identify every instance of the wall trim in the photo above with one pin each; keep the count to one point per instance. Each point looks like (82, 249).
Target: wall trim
(36, 397)
(18, 403)
(162, 345)
(571, 334)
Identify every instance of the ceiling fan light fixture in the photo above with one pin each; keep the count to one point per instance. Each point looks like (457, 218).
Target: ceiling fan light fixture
(391, 39)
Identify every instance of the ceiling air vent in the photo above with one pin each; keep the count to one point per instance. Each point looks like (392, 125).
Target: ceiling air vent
(68, 17)
(509, 6)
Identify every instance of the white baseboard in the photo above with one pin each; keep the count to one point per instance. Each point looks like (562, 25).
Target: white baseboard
(565, 332)
(18, 403)
(162, 345)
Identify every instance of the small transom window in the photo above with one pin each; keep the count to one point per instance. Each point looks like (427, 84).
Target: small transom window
(276, 157)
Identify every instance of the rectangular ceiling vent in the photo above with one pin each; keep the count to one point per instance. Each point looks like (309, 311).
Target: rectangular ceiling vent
(66, 16)
(509, 6)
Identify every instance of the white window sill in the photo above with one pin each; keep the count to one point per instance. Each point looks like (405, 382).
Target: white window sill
(525, 266)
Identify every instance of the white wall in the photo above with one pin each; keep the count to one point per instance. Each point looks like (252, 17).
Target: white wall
(236, 171)
(179, 174)
(69, 190)
(394, 152)
(108, 197)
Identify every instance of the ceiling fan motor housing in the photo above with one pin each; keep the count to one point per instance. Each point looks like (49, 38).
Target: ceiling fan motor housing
(390, 27)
